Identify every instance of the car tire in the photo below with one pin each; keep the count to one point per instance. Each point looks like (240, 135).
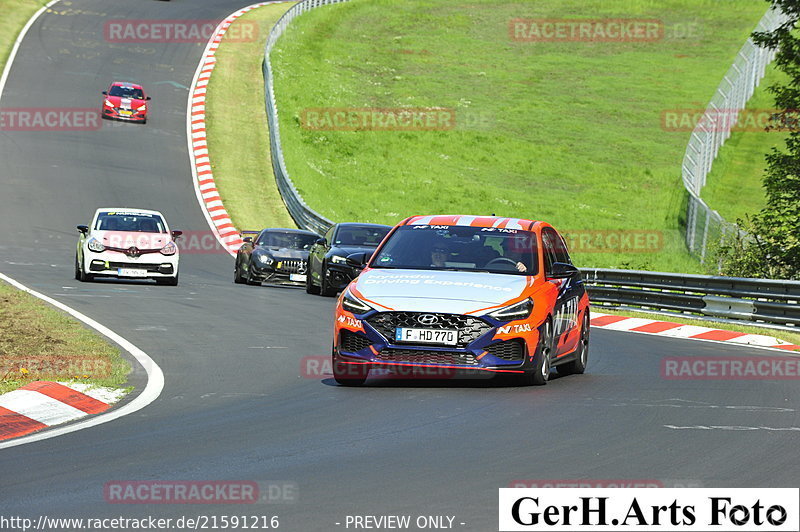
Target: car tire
(349, 374)
(540, 373)
(311, 288)
(249, 278)
(325, 289)
(578, 366)
(80, 275)
(238, 278)
(168, 281)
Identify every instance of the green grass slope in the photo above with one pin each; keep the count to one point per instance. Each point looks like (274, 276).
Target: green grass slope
(568, 132)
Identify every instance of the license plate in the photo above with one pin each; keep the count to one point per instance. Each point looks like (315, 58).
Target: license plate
(126, 113)
(299, 277)
(131, 272)
(426, 336)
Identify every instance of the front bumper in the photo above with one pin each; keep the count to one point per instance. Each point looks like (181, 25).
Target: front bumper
(478, 349)
(289, 273)
(120, 265)
(121, 114)
(340, 275)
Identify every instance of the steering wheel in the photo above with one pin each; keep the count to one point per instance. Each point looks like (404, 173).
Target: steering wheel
(501, 260)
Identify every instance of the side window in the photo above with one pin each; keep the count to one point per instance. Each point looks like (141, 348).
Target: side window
(548, 251)
(562, 255)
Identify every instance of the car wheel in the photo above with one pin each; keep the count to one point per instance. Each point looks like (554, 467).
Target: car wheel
(168, 281)
(541, 370)
(349, 374)
(250, 279)
(578, 365)
(238, 278)
(80, 274)
(311, 288)
(325, 288)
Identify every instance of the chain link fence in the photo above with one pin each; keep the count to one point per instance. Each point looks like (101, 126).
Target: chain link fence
(705, 226)
(304, 216)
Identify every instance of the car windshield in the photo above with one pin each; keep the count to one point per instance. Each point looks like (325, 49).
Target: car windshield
(130, 221)
(279, 239)
(460, 248)
(354, 235)
(126, 92)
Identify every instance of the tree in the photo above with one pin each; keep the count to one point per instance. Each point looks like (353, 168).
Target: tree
(772, 248)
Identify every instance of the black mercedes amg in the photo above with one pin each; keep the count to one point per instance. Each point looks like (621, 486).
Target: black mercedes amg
(275, 256)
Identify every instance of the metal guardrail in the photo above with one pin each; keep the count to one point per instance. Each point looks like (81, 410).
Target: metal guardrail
(752, 300)
(304, 216)
(703, 224)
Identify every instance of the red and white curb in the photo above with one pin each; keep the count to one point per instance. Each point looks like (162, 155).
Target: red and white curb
(42, 404)
(205, 186)
(690, 332)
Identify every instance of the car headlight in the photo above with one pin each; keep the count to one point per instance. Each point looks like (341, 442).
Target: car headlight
(352, 304)
(169, 249)
(517, 311)
(142, 108)
(109, 104)
(265, 259)
(95, 245)
(336, 259)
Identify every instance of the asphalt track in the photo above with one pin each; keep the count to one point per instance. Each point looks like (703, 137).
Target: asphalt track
(235, 405)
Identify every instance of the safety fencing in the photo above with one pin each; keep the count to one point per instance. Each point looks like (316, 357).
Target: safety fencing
(752, 300)
(705, 226)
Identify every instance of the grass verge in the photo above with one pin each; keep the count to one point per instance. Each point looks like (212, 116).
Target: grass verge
(568, 132)
(236, 125)
(788, 336)
(38, 342)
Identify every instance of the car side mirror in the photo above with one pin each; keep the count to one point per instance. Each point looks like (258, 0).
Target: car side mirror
(105, 92)
(247, 239)
(176, 234)
(321, 242)
(83, 229)
(562, 270)
(358, 260)
(147, 98)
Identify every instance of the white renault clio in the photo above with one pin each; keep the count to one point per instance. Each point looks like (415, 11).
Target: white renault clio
(127, 244)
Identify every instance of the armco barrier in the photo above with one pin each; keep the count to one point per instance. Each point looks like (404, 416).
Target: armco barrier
(752, 300)
(303, 215)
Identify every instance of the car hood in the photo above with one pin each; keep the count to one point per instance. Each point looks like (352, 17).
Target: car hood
(283, 253)
(119, 101)
(439, 291)
(128, 239)
(344, 251)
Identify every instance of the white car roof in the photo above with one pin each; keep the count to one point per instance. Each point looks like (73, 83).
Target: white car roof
(126, 210)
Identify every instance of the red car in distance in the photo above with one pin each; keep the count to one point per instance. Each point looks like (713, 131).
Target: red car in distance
(125, 101)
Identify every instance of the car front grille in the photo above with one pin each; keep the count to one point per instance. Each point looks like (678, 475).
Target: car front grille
(469, 328)
(350, 341)
(151, 268)
(512, 350)
(291, 266)
(427, 357)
